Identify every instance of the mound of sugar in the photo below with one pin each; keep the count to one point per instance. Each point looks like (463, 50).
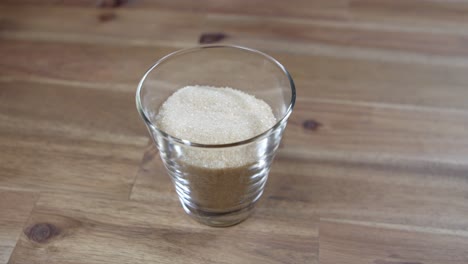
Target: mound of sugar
(217, 179)
(212, 115)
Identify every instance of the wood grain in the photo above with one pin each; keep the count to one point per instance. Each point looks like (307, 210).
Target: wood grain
(344, 187)
(15, 208)
(149, 27)
(319, 76)
(379, 132)
(156, 231)
(105, 67)
(20, 100)
(45, 149)
(426, 10)
(380, 244)
(371, 169)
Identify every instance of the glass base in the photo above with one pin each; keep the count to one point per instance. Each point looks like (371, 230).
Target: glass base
(221, 219)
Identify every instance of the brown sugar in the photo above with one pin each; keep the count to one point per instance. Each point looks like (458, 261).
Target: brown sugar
(216, 179)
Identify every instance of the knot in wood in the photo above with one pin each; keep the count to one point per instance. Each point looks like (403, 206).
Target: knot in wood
(42, 232)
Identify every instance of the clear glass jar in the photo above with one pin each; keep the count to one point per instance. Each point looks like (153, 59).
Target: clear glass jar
(218, 185)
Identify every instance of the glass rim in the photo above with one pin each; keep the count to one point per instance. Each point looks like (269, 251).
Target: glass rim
(233, 144)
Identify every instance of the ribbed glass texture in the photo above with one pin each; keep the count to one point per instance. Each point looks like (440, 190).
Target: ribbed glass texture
(218, 185)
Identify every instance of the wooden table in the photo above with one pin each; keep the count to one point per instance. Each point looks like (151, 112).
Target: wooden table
(373, 167)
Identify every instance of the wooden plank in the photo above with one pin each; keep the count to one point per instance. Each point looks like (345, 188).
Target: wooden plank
(425, 10)
(99, 112)
(430, 195)
(147, 27)
(135, 27)
(346, 125)
(429, 9)
(21, 18)
(256, 7)
(257, 30)
(80, 63)
(344, 185)
(59, 138)
(67, 166)
(382, 131)
(15, 208)
(119, 68)
(376, 244)
(156, 232)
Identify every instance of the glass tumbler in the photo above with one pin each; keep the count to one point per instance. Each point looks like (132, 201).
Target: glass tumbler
(218, 185)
